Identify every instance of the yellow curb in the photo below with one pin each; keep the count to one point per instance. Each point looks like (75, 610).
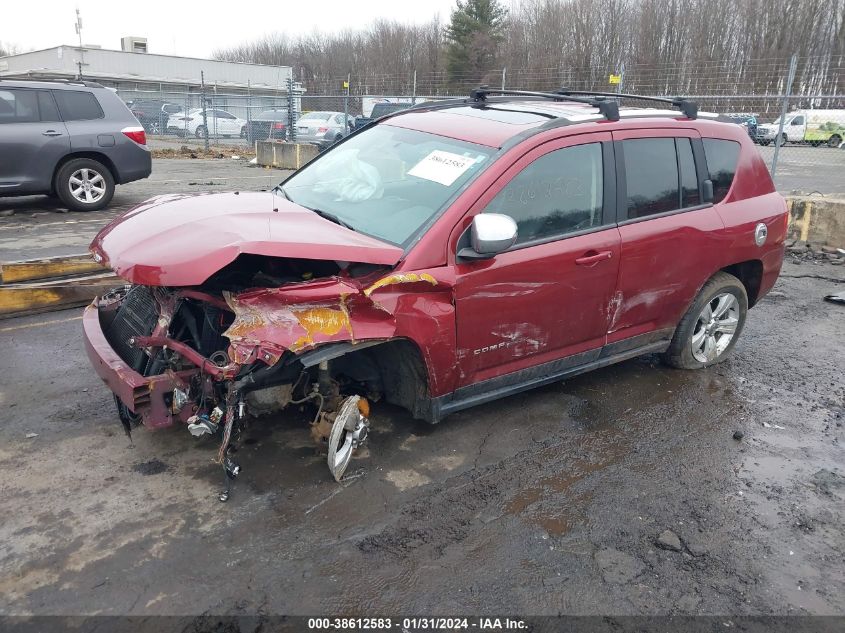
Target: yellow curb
(30, 270)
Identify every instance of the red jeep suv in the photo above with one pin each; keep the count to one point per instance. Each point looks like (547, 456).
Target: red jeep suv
(445, 256)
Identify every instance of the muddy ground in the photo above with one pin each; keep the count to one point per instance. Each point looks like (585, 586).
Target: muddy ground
(543, 503)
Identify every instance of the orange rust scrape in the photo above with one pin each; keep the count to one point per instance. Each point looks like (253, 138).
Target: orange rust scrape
(327, 321)
(401, 278)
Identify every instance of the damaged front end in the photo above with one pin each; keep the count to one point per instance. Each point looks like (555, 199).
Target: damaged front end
(211, 355)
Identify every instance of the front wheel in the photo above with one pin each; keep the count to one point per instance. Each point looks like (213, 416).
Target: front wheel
(710, 328)
(200, 132)
(83, 184)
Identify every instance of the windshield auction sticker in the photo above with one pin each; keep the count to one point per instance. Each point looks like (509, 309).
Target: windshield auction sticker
(442, 167)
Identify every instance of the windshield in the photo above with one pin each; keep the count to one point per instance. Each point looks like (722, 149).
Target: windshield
(387, 181)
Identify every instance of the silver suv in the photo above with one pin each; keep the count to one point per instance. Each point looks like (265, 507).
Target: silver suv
(74, 140)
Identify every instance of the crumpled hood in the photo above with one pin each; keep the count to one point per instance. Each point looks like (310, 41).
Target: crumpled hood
(181, 240)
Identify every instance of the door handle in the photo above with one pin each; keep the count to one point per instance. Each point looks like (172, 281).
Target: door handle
(51, 133)
(592, 257)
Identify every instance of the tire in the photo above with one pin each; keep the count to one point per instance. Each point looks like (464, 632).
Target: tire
(784, 139)
(834, 141)
(70, 185)
(154, 128)
(200, 131)
(243, 132)
(722, 292)
(765, 143)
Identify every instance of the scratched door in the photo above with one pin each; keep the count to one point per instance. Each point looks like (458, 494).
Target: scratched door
(549, 296)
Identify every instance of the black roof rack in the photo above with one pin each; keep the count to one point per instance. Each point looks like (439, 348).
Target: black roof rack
(74, 82)
(609, 108)
(688, 107)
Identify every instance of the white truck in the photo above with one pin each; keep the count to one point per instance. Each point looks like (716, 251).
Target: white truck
(814, 127)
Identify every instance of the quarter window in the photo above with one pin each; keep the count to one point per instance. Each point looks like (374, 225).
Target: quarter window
(18, 106)
(722, 157)
(559, 193)
(77, 105)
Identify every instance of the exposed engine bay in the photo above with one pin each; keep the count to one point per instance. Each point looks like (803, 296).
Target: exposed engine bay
(261, 334)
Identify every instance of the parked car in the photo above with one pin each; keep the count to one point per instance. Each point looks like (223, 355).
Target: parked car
(153, 114)
(74, 140)
(323, 128)
(270, 124)
(443, 257)
(220, 123)
(379, 110)
(814, 127)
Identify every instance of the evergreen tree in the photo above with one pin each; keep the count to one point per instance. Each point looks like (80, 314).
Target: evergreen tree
(472, 39)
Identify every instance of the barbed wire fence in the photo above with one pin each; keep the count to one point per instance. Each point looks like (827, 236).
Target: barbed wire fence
(759, 92)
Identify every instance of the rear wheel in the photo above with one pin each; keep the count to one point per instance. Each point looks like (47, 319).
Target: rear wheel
(243, 132)
(834, 141)
(709, 330)
(200, 132)
(84, 184)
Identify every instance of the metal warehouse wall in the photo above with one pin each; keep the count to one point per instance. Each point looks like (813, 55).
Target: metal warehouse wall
(143, 67)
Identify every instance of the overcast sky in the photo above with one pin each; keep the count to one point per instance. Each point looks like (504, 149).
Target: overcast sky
(194, 28)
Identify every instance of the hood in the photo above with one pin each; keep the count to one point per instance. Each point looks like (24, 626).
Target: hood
(181, 240)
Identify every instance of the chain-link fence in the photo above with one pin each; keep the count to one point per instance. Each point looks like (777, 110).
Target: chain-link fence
(800, 135)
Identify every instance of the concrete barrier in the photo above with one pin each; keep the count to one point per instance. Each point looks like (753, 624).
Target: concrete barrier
(284, 155)
(817, 220)
(50, 268)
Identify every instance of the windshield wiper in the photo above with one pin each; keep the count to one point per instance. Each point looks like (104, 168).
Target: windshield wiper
(323, 214)
(333, 218)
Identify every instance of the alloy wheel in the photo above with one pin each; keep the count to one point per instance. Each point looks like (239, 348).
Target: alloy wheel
(715, 328)
(87, 185)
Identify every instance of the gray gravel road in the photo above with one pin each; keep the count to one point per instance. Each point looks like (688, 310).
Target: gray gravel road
(549, 502)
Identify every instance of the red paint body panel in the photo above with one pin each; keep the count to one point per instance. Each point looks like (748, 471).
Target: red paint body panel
(182, 240)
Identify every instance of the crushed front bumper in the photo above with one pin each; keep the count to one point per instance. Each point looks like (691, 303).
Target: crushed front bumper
(148, 396)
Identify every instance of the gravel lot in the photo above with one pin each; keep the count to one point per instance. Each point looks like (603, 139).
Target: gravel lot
(619, 492)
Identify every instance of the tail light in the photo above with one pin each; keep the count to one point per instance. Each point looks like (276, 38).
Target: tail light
(278, 126)
(320, 130)
(136, 133)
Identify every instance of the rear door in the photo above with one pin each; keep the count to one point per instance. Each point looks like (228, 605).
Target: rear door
(32, 140)
(84, 118)
(670, 240)
(547, 297)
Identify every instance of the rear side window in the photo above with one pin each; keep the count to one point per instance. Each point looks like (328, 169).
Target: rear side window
(558, 193)
(47, 106)
(18, 106)
(651, 174)
(689, 179)
(722, 157)
(78, 106)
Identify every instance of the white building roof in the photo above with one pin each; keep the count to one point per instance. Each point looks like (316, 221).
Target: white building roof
(111, 65)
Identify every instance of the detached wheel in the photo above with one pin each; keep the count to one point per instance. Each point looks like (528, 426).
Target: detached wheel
(83, 184)
(710, 328)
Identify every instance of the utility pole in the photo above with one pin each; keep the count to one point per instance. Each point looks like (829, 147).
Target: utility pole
(346, 105)
(81, 61)
(793, 64)
(204, 114)
(414, 90)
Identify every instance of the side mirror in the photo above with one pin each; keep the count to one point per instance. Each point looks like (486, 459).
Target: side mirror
(707, 191)
(490, 234)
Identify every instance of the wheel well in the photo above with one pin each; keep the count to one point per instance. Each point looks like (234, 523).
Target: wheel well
(750, 273)
(100, 158)
(396, 369)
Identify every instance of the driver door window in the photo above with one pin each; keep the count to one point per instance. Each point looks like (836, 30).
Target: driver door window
(557, 194)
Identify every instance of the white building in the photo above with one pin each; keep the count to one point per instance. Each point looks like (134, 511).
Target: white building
(137, 75)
